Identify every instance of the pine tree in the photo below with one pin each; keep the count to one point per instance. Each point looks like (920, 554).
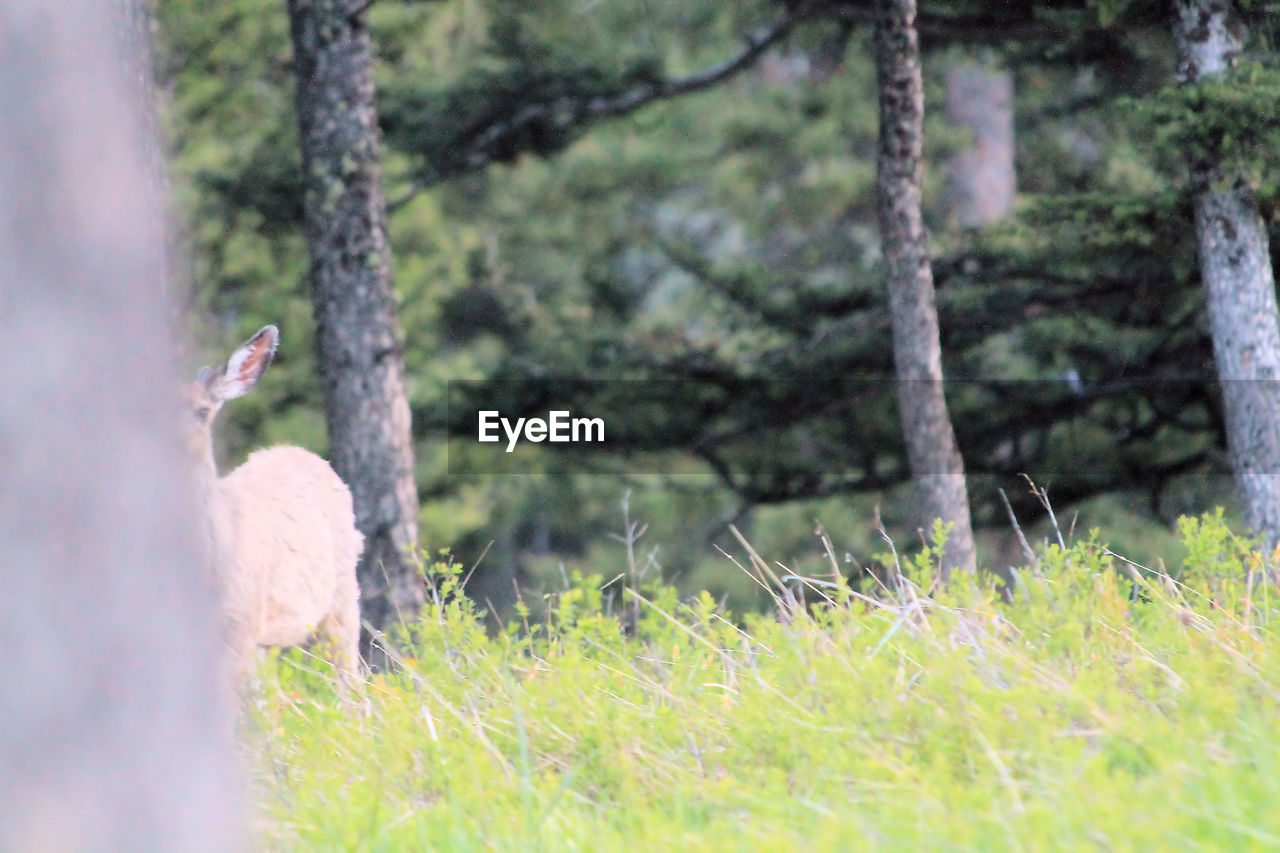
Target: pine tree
(936, 467)
(358, 340)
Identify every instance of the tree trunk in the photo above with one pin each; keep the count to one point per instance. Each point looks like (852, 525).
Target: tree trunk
(357, 337)
(936, 467)
(981, 179)
(1235, 266)
(133, 36)
(114, 734)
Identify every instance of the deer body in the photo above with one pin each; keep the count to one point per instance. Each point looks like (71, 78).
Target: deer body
(280, 531)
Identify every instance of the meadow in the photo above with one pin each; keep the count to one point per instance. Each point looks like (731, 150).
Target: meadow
(1104, 705)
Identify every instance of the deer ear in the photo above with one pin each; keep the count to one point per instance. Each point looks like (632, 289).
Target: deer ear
(245, 366)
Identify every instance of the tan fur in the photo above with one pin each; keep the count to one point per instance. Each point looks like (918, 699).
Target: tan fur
(281, 532)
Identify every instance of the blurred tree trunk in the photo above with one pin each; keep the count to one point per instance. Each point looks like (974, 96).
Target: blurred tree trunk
(936, 466)
(114, 734)
(1235, 265)
(133, 33)
(981, 180)
(357, 336)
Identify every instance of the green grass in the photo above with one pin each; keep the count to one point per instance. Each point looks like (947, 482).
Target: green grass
(1105, 708)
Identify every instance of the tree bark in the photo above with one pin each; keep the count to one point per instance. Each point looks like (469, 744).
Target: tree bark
(357, 336)
(132, 22)
(1235, 266)
(114, 733)
(981, 180)
(936, 467)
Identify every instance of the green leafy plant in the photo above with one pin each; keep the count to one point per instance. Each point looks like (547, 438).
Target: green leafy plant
(1107, 704)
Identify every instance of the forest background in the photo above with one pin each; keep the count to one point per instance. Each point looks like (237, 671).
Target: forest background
(726, 237)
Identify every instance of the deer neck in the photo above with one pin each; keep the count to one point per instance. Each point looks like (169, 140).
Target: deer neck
(215, 514)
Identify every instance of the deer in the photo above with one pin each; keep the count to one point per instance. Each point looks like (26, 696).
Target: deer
(279, 531)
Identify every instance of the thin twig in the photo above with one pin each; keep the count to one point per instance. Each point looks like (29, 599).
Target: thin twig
(1022, 539)
(1042, 495)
